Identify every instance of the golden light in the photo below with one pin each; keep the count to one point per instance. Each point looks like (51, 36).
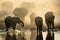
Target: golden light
(42, 6)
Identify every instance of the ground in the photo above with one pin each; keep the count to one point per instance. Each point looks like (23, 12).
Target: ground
(31, 35)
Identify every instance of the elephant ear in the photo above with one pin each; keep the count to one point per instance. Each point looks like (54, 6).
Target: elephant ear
(17, 20)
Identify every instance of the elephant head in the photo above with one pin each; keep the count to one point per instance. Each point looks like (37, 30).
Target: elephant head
(19, 21)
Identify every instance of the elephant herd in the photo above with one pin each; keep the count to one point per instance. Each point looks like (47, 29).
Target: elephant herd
(49, 19)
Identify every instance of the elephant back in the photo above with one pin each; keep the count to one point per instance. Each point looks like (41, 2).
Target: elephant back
(49, 14)
(49, 17)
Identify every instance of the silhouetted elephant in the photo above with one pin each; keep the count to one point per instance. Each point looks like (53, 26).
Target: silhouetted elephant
(49, 18)
(39, 24)
(50, 35)
(12, 21)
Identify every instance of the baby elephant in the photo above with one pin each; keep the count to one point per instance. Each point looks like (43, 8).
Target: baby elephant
(12, 21)
(39, 24)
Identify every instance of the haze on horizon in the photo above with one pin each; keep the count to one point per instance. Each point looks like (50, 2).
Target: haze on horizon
(40, 8)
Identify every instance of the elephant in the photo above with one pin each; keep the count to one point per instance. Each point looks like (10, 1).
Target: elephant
(49, 19)
(12, 21)
(39, 24)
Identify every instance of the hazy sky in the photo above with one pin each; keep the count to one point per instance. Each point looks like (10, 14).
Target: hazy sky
(41, 7)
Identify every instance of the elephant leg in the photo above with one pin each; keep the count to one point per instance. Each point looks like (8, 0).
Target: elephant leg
(40, 29)
(13, 28)
(7, 28)
(52, 25)
(48, 27)
(37, 30)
